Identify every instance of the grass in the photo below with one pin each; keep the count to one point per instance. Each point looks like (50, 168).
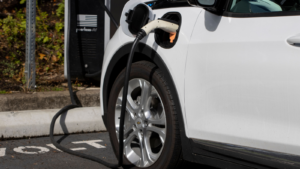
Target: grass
(47, 89)
(2, 92)
(77, 84)
(58, 89)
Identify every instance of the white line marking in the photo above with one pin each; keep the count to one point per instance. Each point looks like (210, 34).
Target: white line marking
(21, 150)
(77, 149)
(2, 152)
(52, 146)
(91, 143)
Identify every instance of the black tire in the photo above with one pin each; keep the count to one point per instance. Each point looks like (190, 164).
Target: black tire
(171, 153)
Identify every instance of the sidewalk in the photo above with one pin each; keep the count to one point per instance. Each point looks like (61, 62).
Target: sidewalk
(48, 100)
(30, 115)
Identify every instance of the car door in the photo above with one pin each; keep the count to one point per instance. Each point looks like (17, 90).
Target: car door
(242, 75)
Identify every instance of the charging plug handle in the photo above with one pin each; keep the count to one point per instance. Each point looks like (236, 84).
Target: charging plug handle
(166, 26)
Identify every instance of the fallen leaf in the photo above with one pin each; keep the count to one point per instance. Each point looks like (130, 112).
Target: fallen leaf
(7, 57)
(54, 58)
(13, 156)
(42, 56)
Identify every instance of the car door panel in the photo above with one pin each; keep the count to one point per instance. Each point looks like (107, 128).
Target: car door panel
(243, 82)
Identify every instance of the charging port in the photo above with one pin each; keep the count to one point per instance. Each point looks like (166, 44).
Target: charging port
(164, 39)
(137, 18)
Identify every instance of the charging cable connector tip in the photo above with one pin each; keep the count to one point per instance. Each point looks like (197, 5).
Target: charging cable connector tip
(172, 37)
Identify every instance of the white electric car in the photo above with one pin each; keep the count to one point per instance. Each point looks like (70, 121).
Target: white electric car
(225, 93)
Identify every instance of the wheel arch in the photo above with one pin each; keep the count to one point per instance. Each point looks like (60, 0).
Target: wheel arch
(144, 52)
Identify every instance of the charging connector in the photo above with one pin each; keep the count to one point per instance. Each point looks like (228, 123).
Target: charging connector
(166, 26)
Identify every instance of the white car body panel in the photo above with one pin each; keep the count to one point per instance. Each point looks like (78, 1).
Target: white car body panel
(238, 79)
(243, 82)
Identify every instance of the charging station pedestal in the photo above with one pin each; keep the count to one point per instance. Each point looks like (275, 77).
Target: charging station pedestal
(90, 30)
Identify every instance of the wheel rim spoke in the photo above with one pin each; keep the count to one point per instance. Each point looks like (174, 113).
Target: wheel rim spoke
(131, 106)
(129, 139)
(159, 121)
(143, 151)
(129, 126)
(160, 131)
(152, 156)
(146, 93)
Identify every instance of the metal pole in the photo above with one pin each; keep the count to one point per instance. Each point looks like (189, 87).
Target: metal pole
(30, 44)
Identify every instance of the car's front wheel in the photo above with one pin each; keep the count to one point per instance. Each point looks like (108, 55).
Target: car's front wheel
(151, 134)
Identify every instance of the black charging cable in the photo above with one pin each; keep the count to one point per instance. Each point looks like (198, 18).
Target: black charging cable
(139, 36)
(109, 14)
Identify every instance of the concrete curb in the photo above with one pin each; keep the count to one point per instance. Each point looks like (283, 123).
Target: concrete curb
(31, 123)
(47, 100)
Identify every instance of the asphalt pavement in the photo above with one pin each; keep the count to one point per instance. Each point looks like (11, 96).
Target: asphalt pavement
(39, 153)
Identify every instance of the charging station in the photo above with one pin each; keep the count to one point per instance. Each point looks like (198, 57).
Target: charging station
(90, 30)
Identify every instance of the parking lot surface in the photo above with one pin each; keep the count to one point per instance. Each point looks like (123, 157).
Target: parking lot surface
(36, 153)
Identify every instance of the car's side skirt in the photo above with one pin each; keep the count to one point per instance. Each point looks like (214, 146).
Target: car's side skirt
(231, 156)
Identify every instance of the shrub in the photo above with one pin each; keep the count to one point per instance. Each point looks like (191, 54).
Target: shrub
(49, 42)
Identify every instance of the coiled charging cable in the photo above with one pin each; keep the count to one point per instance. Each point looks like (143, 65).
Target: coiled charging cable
(164, 25)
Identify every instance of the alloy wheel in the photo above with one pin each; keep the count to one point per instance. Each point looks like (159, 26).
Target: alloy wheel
(145, 123)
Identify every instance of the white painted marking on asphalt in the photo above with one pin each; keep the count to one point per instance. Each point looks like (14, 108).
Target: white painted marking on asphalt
(77, 149)
(74, 149)
(91, 143)
(52, 146)
(2, 152)
(21, 150)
